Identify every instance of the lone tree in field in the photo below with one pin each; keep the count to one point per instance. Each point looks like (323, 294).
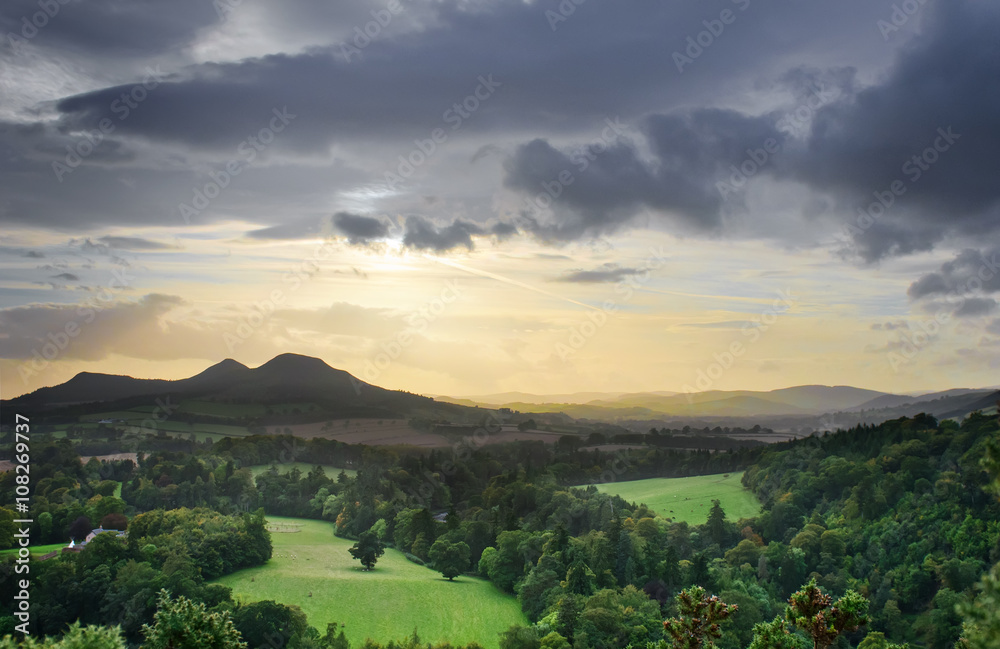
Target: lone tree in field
(367, 550)
(452, 559)
(810, 610)
(698, 624)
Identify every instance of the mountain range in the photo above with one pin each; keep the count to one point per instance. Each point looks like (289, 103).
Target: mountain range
(804, 400)
(292, 378)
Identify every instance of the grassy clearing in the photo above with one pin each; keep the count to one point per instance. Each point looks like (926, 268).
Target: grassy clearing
(689, 499)
(386, 603)
(35, 549)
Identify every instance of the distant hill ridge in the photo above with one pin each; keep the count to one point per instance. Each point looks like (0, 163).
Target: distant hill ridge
(287, 376)
(294, 378)
(793, 401)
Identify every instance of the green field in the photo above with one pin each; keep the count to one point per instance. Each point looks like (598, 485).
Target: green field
(36, 549)
(689, 499)
(386, 603)
(283, 468)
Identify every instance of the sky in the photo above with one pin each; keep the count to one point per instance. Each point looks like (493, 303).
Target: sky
(476, 196)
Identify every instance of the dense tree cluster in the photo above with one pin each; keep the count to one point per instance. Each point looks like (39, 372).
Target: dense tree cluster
(874, 535)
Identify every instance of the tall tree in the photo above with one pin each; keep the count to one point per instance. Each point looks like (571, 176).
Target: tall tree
(368, 549)
(452, 559)
(717, 523)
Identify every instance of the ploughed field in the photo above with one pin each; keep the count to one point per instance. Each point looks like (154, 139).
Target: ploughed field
(312, 569)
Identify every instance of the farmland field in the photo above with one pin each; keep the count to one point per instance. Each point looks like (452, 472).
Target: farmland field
(387, 603)
(36, 549)
(689, 499)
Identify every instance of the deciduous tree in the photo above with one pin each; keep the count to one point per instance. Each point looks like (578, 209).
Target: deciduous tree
(367, 550)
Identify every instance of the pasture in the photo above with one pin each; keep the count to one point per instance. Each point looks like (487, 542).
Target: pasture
(689, 499)
(311, 568)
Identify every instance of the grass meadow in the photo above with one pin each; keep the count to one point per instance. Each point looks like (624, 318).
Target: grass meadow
(689, 499)
(312, 569)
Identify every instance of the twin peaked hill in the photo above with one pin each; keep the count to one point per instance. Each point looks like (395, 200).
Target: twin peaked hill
(288, 378)
(295, 379)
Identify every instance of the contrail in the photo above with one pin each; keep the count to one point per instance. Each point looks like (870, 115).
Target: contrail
(507, 280)
(755, 300)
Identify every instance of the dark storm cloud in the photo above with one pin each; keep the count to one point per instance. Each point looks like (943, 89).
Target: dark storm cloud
(422, 234)
(606, 60)
(934, 104)
(975, 307)
(970, 271)
(503, 230)
(108, 27)
(606, 273)
(610, 59)
(360, 229)
(603, 186)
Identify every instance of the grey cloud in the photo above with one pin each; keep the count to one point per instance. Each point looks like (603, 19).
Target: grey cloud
(994, 327)
(111, 28)
(135, 243)
(606, 186)
(970, 271)
(861, 144)
(121, 327)
(609, 64)
(422, 234)
(69, 277)
(360, 229)
(890, 326)
(503, 230)
(975, 306)
(858, 143)
(606, 273)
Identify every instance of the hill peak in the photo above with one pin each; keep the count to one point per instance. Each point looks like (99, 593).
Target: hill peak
(294, 363)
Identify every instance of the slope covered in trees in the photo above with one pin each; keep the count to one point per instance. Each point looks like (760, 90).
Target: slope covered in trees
(903, 514)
